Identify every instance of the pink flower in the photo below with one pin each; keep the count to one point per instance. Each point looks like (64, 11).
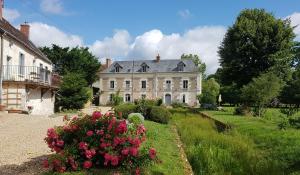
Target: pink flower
(125, 152)
(87, 164)
(141, 129)
(122, 127)
(90, 153)
(83, 145)
(135, 142)
(152, 153)
(90, 133)
(114, 160)
(60, 143)
(133, 151)
(137, 171)
(51, 133)
(100, 132)
(96, 115)
(46, 163)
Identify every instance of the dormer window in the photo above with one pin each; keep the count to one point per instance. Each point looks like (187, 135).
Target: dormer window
(180, 66)
(117, 67)
(144, 67)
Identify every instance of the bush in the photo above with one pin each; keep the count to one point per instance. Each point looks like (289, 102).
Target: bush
(136, 118)
(294, 122)
(124, 110)
(95, 141)
(160, 115)
(242, 110)
(159, 102)
(144, 106)
(177, 104)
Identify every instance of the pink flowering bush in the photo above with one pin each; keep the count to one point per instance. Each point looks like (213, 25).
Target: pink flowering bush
(98, 141)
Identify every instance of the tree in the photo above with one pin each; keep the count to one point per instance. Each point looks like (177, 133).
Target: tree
(73, 92)
(201, 65)
(261, 90)
(230, 94)
(256, 43)
(210, 92)
(78, 60)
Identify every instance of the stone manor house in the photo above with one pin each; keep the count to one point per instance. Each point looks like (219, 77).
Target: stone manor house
(171, 80)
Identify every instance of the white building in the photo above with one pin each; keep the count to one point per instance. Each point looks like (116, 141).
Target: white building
(27, 79)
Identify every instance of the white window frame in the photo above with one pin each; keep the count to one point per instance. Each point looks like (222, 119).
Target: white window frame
(127, 97)
(145, 84)
(127, 86)
(112, 82)
(183, 85)
(168, 87)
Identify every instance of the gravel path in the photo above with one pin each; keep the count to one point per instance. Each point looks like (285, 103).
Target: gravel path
(22, 145)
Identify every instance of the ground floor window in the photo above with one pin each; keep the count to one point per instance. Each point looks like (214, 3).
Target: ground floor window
(183, 98)
(143, 96)
(127, 98)
(111, 97)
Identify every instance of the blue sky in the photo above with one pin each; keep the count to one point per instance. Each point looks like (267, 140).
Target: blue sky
(139, 28)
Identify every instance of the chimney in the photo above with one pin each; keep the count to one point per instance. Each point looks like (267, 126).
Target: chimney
(1, 9)
(108, 62)
(157, 58)
(25, 29)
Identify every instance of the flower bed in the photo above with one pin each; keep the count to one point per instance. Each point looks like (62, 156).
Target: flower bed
(98, 141)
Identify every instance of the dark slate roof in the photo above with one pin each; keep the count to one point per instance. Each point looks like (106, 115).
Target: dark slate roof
(21, 38)
(161, 66)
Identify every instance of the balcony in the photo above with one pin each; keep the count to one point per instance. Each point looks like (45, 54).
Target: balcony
(30, 75)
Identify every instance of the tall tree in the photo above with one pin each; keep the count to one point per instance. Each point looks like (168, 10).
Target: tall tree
(256, 43)
(77, 60)
(210, 92)
(201, 65)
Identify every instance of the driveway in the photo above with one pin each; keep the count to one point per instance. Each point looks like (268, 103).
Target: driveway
(22, 146)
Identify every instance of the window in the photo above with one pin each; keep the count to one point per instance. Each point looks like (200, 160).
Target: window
(127, 84)
(42, 72)
(21, 64)
(185, 84)
(112, 84)
(144, 68)
(127, 98)
(183, 98)
(143, 96)
(46, 74)
(33, 62)
(144, 84)
(117, 69)
(168, 84)
(180, 68)
(111, 97)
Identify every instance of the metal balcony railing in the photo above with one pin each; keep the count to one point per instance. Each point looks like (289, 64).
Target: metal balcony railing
(27, 73)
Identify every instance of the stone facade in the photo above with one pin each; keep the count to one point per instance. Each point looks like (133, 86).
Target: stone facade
(168, 86)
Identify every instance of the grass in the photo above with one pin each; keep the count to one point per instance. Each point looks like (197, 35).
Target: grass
(211, 152)
(281, 146)
(161, 137)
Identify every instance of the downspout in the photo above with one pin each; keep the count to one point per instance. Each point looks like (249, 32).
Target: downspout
(1, 65)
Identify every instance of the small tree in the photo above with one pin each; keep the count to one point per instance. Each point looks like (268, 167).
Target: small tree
(260, 91)
(210, 92)
(73, 92)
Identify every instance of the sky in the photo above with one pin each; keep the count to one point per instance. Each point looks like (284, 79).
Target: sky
(140, 29)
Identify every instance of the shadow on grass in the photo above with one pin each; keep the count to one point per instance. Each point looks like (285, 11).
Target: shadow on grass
(31, 167)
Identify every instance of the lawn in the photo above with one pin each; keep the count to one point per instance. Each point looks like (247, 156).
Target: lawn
(280, 146)
(161, 137)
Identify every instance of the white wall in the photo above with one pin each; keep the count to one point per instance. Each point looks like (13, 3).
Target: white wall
(41, 106)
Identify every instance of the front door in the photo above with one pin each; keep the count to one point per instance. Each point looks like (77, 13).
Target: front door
(168, 99)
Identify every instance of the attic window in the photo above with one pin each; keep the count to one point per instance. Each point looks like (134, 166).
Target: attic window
(117, 69)
(144, 67)
(180, 66)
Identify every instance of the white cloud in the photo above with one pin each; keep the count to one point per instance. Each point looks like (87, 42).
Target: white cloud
(45, 35)
(203, 41)
(184, 14)
(11, 14)
(52, 6)
(295, 21)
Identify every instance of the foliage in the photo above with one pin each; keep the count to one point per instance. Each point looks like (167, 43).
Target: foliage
(279, 146)
(242, 110)
(159, 102)
(144, 106)
(73, 92)
(123, 110)
(260, 91)
(256, 43)
(177, 104)
(230, 94)
(211, 152)
(116, 99)
(197, 61)
(210, 92)
(136, 118)
(77, 59)
(294, 122)
(97, 140)
(160, 115)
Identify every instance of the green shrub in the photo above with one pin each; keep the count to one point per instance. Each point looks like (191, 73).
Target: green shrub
(124, 110)
(160, 115)
(242, 110)
(159, 102)
(136, 118)
(177, 104)
(144, 106)
(294, 122)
